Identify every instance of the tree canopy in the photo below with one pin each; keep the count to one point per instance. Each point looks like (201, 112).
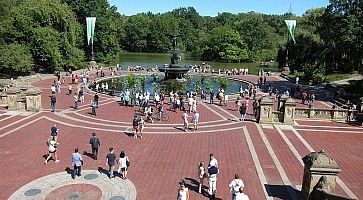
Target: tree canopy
(51, 34)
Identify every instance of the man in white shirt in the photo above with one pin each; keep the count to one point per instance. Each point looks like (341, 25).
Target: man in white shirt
(212, 178)
(185, 121)
(235, 186)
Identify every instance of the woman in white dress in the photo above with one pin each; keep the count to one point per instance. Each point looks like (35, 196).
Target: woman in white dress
(124, 164)
(183, 192)
(202, 175)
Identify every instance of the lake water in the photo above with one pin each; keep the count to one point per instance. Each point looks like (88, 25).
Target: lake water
(121, 84)
(159, 59)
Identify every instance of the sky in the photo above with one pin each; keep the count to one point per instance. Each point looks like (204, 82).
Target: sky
(213, 7)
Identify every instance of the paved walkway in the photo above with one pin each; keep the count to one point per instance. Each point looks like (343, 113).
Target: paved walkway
(267, 157)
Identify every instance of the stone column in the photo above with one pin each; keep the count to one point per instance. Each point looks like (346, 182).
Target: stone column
(3, 99)
(13, 96)
(266, 106)
(289, 111)
(33, 99)
(318, 164)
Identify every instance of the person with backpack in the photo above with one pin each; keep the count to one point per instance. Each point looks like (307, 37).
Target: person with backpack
(95, 144)
(124, 164)
(235, 186)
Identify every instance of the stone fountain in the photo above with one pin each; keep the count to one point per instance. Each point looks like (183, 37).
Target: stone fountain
(174, 71)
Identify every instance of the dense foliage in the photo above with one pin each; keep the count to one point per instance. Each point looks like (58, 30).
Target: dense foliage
(51, 34)
(328, 40)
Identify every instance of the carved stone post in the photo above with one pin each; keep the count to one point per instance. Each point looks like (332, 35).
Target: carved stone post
(318, 164)
(289, 111)
(3, 99)
(266, 106)
(13, 96)
(33, 99)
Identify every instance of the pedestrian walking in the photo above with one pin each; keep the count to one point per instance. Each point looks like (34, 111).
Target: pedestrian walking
(243, 111)
(141, 126)
(212, 175)
(202, 175)
(183, 192)
(185, 121)
(235, 186)
(53, 100)
(212, 179)
(124, 164)
(77, 162)
(93, 108)
(52, 149)
(81, 95)
(69, 89)
(111, 162)
(195, 120)
(95, 144)
(75, 99)
(54, 130)
(96, 99)
(135, 126)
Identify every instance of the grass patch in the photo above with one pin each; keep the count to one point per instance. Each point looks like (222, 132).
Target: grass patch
(339, 76)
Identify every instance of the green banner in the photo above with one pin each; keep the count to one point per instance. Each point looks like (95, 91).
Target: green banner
(291, 26)
(90, 21)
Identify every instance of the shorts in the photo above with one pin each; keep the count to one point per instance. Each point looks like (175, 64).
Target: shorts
(195, 123)
(123, 169)
(53, 151)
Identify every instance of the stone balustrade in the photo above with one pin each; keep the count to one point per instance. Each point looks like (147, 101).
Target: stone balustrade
(22, 98)
(288, 112)
(320, 113)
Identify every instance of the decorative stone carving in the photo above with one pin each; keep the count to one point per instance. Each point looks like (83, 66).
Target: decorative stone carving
(266, 110)
(318, 164)
(13, 96)
(33, 99)
(289, 111)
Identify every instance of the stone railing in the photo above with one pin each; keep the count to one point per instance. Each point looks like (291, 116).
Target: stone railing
(277, 116)
(319, 113)
(21, 98)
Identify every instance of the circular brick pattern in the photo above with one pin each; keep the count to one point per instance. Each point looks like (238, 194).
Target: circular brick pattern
(32, 192)
(75, 192)
(92, 185)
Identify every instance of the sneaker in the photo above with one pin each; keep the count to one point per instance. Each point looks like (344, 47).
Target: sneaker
(57, 161)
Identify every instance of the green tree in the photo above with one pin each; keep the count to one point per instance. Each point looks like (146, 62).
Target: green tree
(15, 59)
(226, 45)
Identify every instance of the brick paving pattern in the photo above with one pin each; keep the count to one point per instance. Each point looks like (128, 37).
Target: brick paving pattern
(166, 154)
